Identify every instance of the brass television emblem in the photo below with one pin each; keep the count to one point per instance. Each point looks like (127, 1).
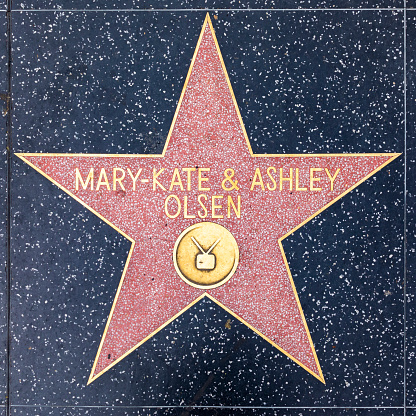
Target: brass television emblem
(205, 255)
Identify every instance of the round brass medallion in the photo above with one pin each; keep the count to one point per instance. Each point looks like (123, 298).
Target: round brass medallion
(205, 255)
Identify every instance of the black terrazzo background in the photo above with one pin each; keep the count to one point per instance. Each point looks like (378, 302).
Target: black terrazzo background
(411, 238)
(209, 412)
(3, 205)
(204, 4)
(305, 81)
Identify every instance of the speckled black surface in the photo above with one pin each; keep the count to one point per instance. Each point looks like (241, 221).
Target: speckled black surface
(305, 81)
(208, 412)
(3, 205)
(203, 4)
(411, 237)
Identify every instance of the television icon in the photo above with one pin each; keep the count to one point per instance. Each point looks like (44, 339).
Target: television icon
(205, 260)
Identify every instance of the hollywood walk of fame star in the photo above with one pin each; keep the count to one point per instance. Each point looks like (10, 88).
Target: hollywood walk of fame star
(208, 174)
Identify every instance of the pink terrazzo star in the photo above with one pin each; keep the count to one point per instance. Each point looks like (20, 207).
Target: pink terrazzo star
(207, 132)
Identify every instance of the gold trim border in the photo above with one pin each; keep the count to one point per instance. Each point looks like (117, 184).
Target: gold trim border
(23, 156)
